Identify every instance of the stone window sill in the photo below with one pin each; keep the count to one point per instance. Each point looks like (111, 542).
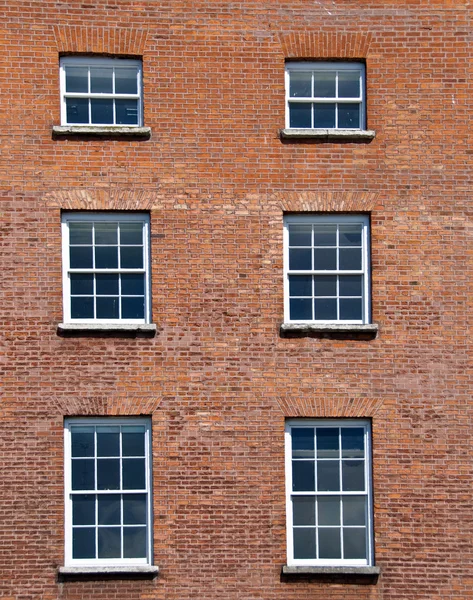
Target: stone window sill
(366, 575)
(116, 131)
(135, 572)
(131, 330)
(328, 134)
(367, 331)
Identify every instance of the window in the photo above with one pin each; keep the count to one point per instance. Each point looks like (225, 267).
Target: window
(329, 514)
(100, 91)
(326, 267)
(325, 95)
(107, 496)
(106, 267)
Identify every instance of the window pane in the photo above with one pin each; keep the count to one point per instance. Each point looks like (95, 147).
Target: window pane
(82, 441)
(80, 233)
(131, 257)
(131, 233)
(350, 259)
(133, 308)
(101, 80)
(300, 235)
(109, 542)
(300, 259)
(325, 285)
(353, 442)
(324, 116)
(300, 285)
(107, 308)
(300, 84)
(304, 543)
(303, 476)
(329, 510)
(324, 84)
(328, 477)
(106, 233)
(77, 80)
(354, 543)
(325, 235)
(351, 309)
(300, 115)
(303, 510)
(101, 111)
(108, 474)
(126, 112)
(353, 475)
(133, 441)
(349, 84)
(133, 285)
(329, 543)
(83, 477)
(82, 308)
(350, 235)
(81, 257)
(300, 310)
(351, 285)
(83, 542)
(354, 510)
(106, 257)
(134, 542)
(349, 116)
(108, 441)
(303, 442)
(126, 80)
(83, 509)
(134, 477)
(328, 442)
(325, 259)
(106, 284)
(134, 509)
(82, 284)
(109, 509)
(325, 309)
(77, 111)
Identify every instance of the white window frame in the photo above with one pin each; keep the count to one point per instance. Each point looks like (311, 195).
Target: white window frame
(329, 423)
(94, 61)
(314, 218)
(102, 562)
(69, 217)
(328, 66)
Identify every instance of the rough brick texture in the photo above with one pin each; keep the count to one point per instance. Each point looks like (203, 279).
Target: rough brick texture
(218, 380)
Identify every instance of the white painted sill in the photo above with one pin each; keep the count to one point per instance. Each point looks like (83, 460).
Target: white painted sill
(328, 134)
(138, 570)
(100, 131)
(329, 328)
(149, 328)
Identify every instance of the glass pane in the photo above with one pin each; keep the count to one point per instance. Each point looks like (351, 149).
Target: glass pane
(131, 257)
(106, 234)
(108, 474)
(107, 308)
(351, 309)
(82, 284)
(101, 111)
(131, 233)
(77, 111)
(350, 235)
(300, 84)
(83, 542)
(303, 479)
(108, 440)
(82, 308)
(329, 510)
(303, 442)
(300, 285)
(324, 84)
(303, 510)
(351, 285)
(133, 308)
(83, 474)
(300, 310)
(83, 509)
(325, 309)
(353, 475)
(300, 115)
(354, 543)
(325, 258)
(324, 116)
(106, 284)
(106, 257)
(353, 442)
(133, 441)
(329, 543)
(80, 233)
(82, 441)
(126, 112)
(133, 285)
(101, 80)
(350, 259)
(77, 80)
(81, 257)
(349, 116)
(300, 235)
(126, 80)
(304, 542)
(134, 542)
(325, 285)
(325, 235)
(109, 542)
(328, 476)
(300, 259)
(134, 474)
(134, 509)
(328, 442)
(349, 84)
(354, 510)
(109, 509)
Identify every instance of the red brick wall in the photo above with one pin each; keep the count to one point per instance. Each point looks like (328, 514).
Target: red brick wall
(218, 380)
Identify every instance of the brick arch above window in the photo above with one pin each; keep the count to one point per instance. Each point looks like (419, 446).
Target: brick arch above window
(326, 201)
(102, 199)
(318, 45)
(324, 405)
(101, 40)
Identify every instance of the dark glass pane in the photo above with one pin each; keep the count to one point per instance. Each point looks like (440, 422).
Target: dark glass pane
(354, 510)
(328, 476)
(300, 310)
(134, 509)
(126, 112)
(107, 308)
(353, 475)
(300, 235)
(106, 284)
(324, 84)
(80, 233)
(350, 259)
(324, 116)
(351, 309)
(109, 542)
(131, 257)
(133, 440)
(101, 80)
(133, 284)
(101, 111)
(325, 259)
(106, 234)
(77, 111)
(108, 440)
(82, 441)
(300, 285)
(327, 442)
(325, 285)
(126, 80)
(350, 235)
(325, 235)
(131, 234)
(300, 84)
(106, 257)
(329, 543)
(329, 510)
(303, 510)
(83, 509)
(82, 284)
(354, 543)
(353, 442)
(134, 476)
(82, 308)
(304, 543)
(349, 116)
(77, 79)
(108, 474)
(300, 259)
(349, 84)
(325, 310)
(351, 285)
(303, 476)
(300, 115)
(81, 257)
(83, 542)
(109, 509)
(83, 474)
(303, 442)
(133, 308)
(134, 542)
